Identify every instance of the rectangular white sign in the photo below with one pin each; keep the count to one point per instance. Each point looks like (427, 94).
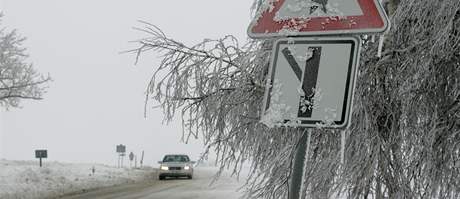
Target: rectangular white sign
(311, 82)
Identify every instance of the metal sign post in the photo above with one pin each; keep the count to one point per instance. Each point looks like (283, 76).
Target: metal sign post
(41, 154)
(131, 158)
(142, 159)
(121, 149)
(316, 77)
(295, 188)
(122, 155)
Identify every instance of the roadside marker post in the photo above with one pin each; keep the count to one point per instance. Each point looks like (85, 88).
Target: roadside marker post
(311, 79)
(131, 158)
(142, 159)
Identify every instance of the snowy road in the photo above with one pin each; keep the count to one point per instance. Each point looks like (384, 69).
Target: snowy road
(198, 187)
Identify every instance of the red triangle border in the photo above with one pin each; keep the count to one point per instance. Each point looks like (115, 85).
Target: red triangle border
(372, 20)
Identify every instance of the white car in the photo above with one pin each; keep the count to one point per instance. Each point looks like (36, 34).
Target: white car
(176, 165)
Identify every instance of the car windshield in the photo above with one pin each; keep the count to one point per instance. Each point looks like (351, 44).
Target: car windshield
(176, 158)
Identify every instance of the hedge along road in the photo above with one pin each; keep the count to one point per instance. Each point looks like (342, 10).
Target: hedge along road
(198, 187)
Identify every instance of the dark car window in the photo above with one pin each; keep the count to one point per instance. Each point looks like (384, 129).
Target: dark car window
(176, 158)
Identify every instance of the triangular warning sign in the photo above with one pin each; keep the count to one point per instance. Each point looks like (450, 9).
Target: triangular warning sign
(318, 17)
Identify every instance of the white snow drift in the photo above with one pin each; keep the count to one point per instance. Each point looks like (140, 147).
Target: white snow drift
(25, 179)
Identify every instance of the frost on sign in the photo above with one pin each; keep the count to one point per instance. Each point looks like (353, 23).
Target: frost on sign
(311, 82)
(277, 18)
(306, 9)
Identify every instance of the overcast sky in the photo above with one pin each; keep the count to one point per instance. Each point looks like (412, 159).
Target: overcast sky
(96, 99)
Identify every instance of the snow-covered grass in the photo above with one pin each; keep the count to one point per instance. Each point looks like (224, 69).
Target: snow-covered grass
(25, 179)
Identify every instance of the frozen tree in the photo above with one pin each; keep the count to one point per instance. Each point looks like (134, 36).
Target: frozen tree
(18, 79)
(404, 141)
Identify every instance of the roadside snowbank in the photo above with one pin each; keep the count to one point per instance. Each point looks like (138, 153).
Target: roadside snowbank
(25, 179)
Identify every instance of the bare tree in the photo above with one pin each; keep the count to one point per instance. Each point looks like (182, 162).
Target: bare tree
(404, 141)
(18, 79)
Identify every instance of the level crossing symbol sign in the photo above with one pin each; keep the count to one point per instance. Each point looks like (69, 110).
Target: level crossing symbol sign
(277, 18)
(311, 82)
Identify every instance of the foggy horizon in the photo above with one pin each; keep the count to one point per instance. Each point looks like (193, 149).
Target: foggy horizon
(96, 98)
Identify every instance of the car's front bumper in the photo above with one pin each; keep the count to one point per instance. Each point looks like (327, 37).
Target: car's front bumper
(176, 173)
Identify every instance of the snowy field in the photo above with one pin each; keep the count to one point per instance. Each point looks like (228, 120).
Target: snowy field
(25, 179)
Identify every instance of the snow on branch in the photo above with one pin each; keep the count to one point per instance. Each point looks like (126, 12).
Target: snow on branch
(404, 140)
(18, 79)
(218, 86)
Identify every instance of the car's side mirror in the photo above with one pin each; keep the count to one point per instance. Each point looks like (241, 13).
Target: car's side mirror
(192, 162)
(160, 162)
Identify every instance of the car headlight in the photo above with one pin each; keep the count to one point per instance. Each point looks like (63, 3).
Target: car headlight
(164, 168)
(186, 167)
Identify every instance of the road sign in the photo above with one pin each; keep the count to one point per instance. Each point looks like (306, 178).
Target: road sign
(311, 82)
(131, 156)
(41, 154)
(121, 148)
(318, 17)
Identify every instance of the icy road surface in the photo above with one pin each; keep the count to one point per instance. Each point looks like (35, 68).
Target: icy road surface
(199, 187)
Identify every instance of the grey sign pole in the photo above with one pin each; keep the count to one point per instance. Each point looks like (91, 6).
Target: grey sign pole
(131, 158)
(327, 78)
(119, 160)
(122, 157)
(297, 175)
(142, 159)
